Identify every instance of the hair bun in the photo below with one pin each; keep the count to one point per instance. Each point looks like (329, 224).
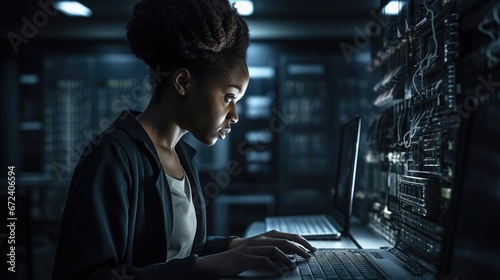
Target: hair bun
(180, 31)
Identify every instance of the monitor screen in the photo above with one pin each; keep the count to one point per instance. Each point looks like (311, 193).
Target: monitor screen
(346, 172)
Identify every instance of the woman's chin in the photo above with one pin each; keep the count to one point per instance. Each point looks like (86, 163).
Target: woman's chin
(209, 141)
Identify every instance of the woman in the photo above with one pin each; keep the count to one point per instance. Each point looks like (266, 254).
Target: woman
(135, 208)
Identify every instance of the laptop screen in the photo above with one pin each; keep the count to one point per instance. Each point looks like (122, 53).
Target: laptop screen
(346, 172)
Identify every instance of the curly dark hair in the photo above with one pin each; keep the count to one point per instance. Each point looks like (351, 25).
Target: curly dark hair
(205, 36)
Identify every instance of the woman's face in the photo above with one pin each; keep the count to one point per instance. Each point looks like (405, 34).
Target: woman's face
(212, 104)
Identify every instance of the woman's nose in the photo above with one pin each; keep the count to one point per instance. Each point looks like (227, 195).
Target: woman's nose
(232, 116)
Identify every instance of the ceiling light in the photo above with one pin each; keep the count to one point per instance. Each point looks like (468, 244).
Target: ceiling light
(393, 8)
(244, 7)
(73, 8)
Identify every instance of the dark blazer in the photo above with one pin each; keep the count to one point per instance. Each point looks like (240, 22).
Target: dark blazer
(117, 222)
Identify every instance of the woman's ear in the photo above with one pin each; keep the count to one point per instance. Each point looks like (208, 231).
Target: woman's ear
(182, 80)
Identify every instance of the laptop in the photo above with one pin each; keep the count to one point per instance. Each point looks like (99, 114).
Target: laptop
(330, 225)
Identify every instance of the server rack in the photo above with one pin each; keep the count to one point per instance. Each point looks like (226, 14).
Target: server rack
(427, 59)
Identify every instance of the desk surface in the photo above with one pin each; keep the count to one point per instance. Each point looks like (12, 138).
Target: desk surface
(361, 237)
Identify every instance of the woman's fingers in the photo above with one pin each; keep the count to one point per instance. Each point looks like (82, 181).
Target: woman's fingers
(290, 246)
(274, 253)
(257, 261)
(300, 240)
(282, 244)
(278, 254)
(292, 237)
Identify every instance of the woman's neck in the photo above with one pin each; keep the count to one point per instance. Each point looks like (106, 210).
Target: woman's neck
(161, 127)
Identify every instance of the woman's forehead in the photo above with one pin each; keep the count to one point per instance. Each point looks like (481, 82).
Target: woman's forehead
(237, 77)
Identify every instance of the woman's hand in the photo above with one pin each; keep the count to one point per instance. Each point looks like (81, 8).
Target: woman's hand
(261, 251)
(273, 234)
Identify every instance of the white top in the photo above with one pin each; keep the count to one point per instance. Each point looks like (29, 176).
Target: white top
(184, 226)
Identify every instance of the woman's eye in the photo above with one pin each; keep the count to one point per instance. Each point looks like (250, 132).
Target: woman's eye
(229, 98)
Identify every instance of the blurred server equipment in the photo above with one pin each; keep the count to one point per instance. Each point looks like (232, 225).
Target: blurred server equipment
(306, 155)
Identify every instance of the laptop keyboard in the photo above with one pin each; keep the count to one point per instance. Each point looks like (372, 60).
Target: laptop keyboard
(301, 225)
(339, 264)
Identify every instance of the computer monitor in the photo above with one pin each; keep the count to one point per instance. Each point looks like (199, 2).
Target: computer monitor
(346, 172)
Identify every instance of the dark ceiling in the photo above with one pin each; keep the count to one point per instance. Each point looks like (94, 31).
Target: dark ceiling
(272, 19)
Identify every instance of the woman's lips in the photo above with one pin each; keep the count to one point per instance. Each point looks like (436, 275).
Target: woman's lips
(224, 132)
